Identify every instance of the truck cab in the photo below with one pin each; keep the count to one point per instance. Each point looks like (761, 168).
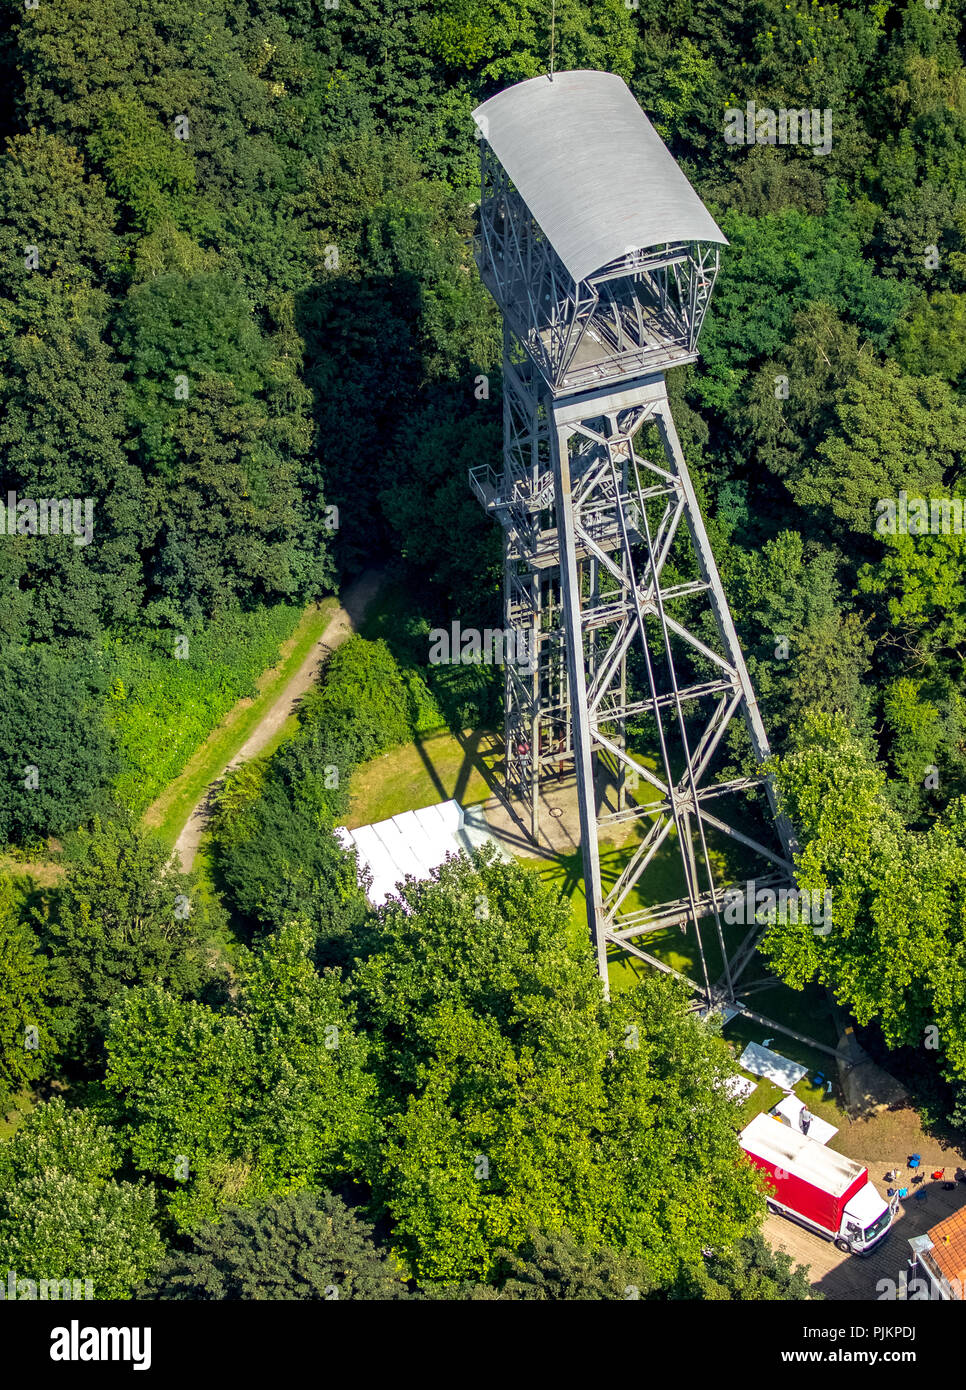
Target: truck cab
(866, 1219)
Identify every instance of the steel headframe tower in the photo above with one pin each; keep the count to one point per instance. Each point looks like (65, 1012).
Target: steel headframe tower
(602, 259)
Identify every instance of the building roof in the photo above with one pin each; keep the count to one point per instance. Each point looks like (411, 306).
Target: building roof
(591, 168)
(949, 1247)
(767, 1138)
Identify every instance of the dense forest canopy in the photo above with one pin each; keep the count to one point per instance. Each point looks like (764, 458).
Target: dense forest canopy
(253, 328)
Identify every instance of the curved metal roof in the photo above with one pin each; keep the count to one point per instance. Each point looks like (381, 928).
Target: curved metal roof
(591, 168)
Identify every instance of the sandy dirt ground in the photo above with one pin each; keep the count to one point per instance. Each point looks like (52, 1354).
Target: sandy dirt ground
(559, 817)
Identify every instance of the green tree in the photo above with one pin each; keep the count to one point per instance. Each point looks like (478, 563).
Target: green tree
(834, 794)
(749, 1272)
(556, 1268)
(507, 43)
(893, 953)
(274, 835)
(301, 1245)
(790, 407)
(56, 751)
(435, 449)
(892, 433)
(363, 701)
(915, 726)
(63, 1215)
(513, 1099)
(776, 267)
(919, 587)
(279, 857)
(125, 917)
(63, 430)
(932, 339)
(241, 1103)
(24, 1002)
(923, 581)
(153, 175)
(805, 651)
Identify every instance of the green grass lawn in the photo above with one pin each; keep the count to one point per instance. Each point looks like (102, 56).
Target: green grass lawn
(436, 767)
(20, 1106)
(164, 702)
(169, 813)
(664, 882)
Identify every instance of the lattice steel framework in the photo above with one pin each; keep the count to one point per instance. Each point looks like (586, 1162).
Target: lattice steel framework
(593, 496)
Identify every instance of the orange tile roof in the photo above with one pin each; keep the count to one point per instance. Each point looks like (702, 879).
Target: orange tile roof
(949, 1247)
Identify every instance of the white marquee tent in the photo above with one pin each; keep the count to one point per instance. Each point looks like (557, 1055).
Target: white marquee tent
(414, 843)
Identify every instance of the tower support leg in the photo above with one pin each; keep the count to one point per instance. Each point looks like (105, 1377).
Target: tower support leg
(583, 752)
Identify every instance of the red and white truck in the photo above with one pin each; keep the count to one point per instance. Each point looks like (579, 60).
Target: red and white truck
(822, 1190)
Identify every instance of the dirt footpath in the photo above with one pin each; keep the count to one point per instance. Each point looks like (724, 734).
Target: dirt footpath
(343, 624)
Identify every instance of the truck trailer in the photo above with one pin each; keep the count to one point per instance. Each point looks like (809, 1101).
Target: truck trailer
(821, 1190)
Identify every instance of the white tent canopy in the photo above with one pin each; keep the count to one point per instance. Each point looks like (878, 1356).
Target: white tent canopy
(414, 843)
(761, 1061)
(790, 1110)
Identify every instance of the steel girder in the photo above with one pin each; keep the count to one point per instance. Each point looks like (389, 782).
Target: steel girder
(626, 509)
(590, 522)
